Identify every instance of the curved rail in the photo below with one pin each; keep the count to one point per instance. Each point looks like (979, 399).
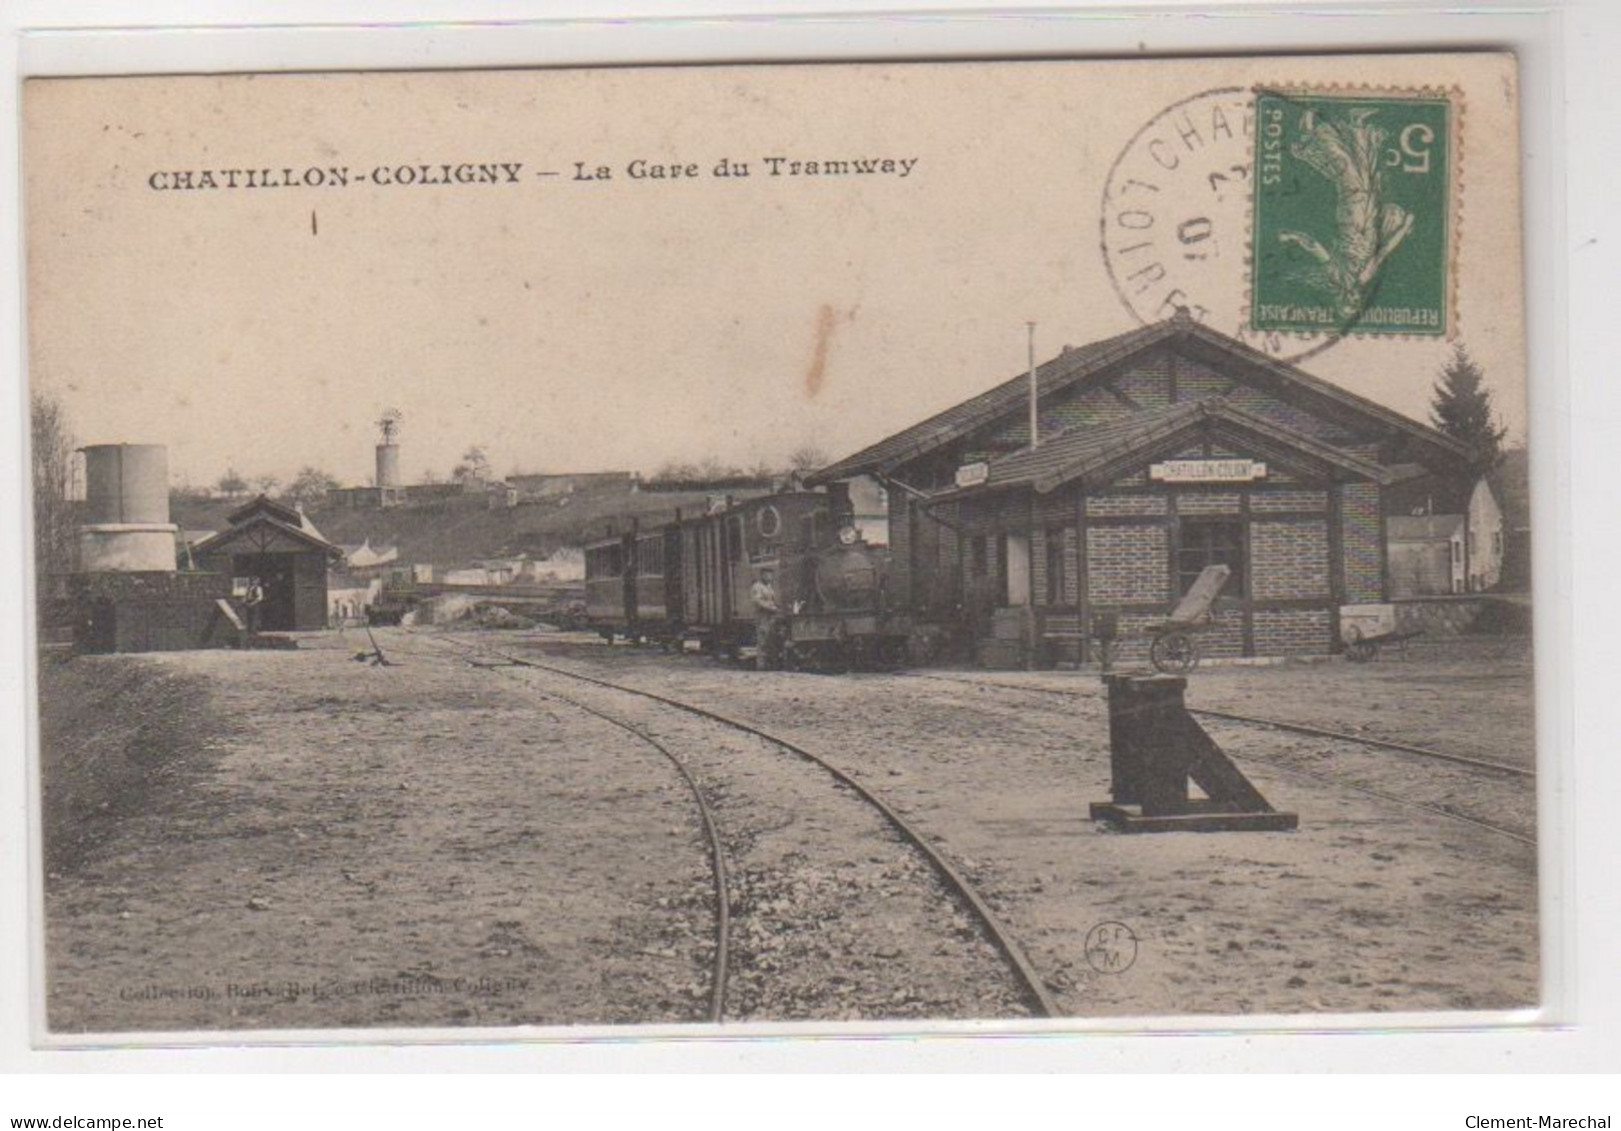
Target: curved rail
(1040, 1000)
(1438, 810)
(717, 854)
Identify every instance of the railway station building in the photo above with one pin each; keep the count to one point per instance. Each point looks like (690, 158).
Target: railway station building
(1159, 452)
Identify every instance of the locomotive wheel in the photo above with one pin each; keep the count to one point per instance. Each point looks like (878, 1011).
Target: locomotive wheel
(1174, 653)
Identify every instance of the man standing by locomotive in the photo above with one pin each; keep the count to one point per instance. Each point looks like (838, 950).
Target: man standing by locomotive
(764, 596)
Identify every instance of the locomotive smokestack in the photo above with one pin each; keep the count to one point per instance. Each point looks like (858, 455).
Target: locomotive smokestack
(1035, 426)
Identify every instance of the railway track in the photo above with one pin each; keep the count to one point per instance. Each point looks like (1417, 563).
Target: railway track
(1499, 770)
(1274, 724)
(717, 851)
(1032, 990)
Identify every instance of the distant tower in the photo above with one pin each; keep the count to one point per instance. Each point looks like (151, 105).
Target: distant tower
(388, 452)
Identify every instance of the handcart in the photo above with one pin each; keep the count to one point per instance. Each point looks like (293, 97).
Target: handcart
(1175, 647)
(1366, 629)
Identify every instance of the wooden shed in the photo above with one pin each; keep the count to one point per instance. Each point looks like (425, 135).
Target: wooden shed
(281, 547)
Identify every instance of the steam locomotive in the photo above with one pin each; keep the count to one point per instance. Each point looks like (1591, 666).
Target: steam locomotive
(691, 579)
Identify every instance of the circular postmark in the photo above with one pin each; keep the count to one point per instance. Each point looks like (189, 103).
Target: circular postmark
(1111, 948)
(1175, 223)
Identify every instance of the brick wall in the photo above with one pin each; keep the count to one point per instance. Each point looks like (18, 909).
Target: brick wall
(1267, 407)
(1195, 382)
(1291, 632)
(1264, 501)
(1362, 546)
(1148, 383)
(1288, 560)
(1207, 502)
(1114, 506)
(1223, 637)
(1127, 563)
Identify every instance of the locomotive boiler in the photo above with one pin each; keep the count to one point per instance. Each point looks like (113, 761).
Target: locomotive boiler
(693, 580)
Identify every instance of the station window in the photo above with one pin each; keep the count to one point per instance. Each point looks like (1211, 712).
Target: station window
(979, 558)
(1207, 542)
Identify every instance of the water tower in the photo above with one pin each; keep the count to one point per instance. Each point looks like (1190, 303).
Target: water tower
(126, 527)
(388, 452)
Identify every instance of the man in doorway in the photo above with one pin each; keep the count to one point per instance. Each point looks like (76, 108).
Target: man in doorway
(764, 596)
(251, 602)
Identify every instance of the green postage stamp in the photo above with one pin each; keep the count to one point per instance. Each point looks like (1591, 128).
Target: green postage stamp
(1353, 224)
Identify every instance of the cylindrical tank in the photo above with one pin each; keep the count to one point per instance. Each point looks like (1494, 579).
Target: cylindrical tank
(127, 526)
(388, 465)
(126, 483)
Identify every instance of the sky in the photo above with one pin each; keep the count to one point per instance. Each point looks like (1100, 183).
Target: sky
(565, 321)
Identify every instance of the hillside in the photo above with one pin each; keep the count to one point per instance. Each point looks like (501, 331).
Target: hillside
(457, 531)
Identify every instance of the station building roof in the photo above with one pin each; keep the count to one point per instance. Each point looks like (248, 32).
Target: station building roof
(1103, 451)
(1093, 363)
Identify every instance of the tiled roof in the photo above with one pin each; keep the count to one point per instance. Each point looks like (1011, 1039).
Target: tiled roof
(1061, 458)
(297, 532)
(1083, 446)
(1074, 365)
(280, 511)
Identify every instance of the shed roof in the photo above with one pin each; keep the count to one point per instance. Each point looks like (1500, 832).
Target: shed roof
(266, 515)
(1082, 363)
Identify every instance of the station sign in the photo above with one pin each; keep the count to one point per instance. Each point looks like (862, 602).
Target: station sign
(973, 474)
(1207, 471)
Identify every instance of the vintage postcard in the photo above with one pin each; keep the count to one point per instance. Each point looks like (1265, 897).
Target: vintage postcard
(550, 550)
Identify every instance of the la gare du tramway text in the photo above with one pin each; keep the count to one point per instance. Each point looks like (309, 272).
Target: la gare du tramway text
(512, 173)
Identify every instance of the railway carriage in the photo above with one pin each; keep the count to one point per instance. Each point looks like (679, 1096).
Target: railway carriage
(626, 590)
(691, 580)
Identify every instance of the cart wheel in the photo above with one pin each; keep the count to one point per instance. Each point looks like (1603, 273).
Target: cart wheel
(1360, 651)
(1357, 649)
(1174, 653)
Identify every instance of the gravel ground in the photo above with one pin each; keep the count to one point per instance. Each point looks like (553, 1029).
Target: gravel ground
(835, 916)
(1370, 906)
(419, 845)
(435, 844)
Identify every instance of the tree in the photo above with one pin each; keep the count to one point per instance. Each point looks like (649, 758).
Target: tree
(675, 471)
(266, 483)
(1461, 407)
(808, 458)
(51, 457)
(474, 465)
(232, 484)
(713, 470)
(310, 485)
